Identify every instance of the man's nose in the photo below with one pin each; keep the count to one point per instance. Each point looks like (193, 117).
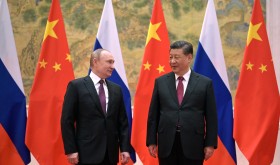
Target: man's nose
(172, 60)
(113, 66)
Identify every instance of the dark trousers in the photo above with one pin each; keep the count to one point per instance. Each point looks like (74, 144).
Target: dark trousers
(177, 156)
(106, 161)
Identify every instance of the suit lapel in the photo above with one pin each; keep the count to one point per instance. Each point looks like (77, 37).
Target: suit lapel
(172, 86)
(111, 96)
(93, 93)
(191, 85)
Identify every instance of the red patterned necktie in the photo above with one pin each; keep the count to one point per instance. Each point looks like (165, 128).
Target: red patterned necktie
(102, 97)
(180, 89)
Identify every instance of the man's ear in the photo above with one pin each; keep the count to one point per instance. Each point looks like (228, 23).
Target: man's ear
(94, 60)
(189, 57)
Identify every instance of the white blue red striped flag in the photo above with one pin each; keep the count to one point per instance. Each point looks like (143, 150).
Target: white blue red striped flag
(210, 62)
(12, 99)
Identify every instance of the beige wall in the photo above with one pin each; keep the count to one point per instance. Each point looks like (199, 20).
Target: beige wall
(273, 28)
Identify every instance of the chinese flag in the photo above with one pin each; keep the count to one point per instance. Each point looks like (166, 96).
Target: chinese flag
(256, 108)
(155, 63)
(54, 71)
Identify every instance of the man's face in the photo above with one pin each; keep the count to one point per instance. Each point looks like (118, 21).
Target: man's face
(179, 62)
(104, 66)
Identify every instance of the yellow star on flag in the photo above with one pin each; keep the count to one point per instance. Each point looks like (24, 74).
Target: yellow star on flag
(253, 33)
(68, 57)
(43, 64)
(263, 68)
(160, 68)
(49, 29)
(249, 66)
(152, 33)
(147, 66)
(57, 67)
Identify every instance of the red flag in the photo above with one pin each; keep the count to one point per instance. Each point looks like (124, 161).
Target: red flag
(53, 72)
(155, 63)
(257, 108)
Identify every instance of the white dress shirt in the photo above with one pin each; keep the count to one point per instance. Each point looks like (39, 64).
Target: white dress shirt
(96, 83)
(185, 81)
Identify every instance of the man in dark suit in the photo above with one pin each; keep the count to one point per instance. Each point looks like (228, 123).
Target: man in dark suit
(94, 123)
(182, 119)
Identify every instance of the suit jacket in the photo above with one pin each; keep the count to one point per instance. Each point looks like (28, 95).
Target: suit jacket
(85, 127)
(196, 115)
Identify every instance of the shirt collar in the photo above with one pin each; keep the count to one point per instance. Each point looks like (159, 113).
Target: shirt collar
(95, 78)
(186, 75)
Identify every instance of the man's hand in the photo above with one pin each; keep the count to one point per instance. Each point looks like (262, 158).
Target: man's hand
(208, 152)
(125, 158)
(153, 150)
(73, 158)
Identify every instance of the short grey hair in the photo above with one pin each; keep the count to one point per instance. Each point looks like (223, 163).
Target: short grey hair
(95, 54)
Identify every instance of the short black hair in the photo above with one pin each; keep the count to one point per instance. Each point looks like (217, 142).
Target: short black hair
(186, 46)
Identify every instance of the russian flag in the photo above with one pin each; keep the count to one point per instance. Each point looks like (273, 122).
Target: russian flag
(12, 99)
(107, 38)
(210, 62)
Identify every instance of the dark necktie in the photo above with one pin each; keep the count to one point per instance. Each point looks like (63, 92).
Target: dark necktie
(102, 96)
(180, 89)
